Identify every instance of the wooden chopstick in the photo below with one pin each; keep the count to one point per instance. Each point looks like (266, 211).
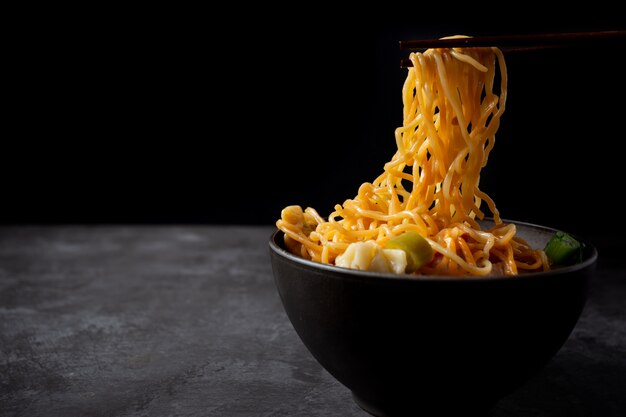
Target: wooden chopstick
(528, 40)
(517, 43)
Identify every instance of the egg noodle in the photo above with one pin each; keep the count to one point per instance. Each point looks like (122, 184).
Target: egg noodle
(451, 114)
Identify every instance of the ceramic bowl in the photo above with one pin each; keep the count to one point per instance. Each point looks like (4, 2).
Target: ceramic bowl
(429, 344)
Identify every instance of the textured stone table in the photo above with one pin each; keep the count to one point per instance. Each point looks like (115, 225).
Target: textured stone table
(186, 321)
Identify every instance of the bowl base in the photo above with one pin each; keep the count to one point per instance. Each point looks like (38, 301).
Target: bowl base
(414, 408)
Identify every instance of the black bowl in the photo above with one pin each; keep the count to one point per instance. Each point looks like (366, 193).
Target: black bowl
(424, 344)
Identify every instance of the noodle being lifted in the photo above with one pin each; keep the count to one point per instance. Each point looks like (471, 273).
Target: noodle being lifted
(430, 187)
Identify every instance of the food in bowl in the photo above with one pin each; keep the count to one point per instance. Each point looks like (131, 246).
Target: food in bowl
(422, 215)
(407, 293)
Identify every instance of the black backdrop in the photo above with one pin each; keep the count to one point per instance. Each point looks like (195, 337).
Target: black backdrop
(174, 121)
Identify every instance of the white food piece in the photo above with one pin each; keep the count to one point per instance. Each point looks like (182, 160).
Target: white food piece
(369, 256)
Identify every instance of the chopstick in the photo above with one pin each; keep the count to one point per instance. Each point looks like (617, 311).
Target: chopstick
(518, 43)
(572, 38)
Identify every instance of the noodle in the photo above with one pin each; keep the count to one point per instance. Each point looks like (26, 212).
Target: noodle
(452, 110)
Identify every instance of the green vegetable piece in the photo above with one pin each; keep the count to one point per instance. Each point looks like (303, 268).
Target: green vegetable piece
(418, 250)
(562, 249)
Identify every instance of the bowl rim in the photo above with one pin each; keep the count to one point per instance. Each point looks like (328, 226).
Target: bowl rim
(276, 248)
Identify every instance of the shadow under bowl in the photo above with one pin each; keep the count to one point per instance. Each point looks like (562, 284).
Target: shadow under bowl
(421, 344)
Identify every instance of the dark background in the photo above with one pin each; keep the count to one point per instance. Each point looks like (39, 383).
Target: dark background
(155, 119)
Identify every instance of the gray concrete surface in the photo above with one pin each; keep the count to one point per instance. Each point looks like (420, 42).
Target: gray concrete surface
(186, 321)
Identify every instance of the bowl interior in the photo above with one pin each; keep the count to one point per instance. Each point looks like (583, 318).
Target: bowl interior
(537, 237)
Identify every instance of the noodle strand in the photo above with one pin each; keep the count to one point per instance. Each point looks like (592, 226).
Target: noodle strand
(452, 110)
